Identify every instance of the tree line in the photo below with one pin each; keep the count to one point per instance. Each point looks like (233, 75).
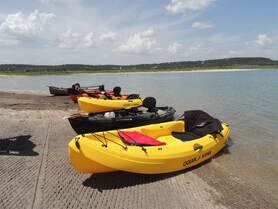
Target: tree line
(239, 62)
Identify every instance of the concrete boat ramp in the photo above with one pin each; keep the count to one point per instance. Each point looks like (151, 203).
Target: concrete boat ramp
(35, 171)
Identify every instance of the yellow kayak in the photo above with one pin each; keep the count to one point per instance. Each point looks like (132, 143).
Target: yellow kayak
(93, 105)
(106, 152)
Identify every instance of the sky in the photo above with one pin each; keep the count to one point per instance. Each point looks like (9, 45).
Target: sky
(55, 32)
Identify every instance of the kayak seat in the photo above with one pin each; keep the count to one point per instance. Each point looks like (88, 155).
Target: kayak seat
(197, 124)
(117, 91)
(101, 88)
(185, 136)
(150, 104)
(137, 138)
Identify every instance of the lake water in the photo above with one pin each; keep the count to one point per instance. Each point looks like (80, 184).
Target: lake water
(246, 100)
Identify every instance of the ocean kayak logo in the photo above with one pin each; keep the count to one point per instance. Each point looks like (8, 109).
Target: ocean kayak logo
(190, 161)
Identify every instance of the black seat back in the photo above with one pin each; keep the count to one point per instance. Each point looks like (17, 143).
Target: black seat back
(101, 88)
(117, 91)
(201, 123)
(75, 89)
(150, 104)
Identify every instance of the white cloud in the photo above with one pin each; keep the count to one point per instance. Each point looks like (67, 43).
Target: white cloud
(139, 42)
(201, 25)
(179, 6)
(109, 36)
(199, 48)
(175, 47)
(17, 26)
(73, 40)
(88, 40)
(148, 33)
(195, 50)
(263, 40)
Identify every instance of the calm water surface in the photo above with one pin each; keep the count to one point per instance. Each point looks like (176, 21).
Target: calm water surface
(248, 101)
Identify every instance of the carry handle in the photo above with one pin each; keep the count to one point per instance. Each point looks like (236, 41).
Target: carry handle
(197, 147)
(76, 142)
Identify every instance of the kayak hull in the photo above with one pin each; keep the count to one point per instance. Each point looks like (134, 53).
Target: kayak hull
(87, 124)
(78, 160)
(110, 154)
(58, 91)
(92, 105)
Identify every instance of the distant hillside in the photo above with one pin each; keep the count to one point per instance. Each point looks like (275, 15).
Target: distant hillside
(240, 62)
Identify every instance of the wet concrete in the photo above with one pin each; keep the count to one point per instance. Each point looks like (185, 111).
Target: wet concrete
(35, 171)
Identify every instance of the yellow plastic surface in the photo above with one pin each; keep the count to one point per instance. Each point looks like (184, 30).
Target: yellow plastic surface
(92, 105)
(105, 152)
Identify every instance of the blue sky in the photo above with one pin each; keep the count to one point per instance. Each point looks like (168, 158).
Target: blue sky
(130, 32)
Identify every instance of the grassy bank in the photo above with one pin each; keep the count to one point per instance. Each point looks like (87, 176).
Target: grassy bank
(72, 71)
(216, 64)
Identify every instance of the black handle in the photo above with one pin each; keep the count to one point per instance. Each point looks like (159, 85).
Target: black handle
(197, 147)
(76, 142)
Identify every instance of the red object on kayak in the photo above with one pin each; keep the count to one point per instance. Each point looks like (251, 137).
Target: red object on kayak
(136, 138)
(74, 98)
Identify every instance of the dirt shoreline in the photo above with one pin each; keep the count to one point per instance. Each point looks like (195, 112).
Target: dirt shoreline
(40, 175)
(30, 100)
